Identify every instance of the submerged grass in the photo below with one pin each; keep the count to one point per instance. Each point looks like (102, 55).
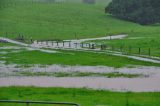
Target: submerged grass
(77, 74)
(85, 97)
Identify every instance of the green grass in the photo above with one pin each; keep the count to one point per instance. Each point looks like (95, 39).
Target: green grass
(84, 97)
(63, 20)
(68, 20)
(144, 43)
(2, 44)
(70, 58)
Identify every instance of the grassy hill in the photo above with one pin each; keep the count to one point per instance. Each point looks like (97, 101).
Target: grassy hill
(53, 20)
(71, 19)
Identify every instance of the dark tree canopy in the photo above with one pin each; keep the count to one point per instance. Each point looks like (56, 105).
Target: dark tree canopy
(139, 11)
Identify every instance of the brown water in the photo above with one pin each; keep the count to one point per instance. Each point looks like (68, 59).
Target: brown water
(116, 84)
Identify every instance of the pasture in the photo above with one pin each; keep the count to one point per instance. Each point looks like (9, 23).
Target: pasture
(85, 97)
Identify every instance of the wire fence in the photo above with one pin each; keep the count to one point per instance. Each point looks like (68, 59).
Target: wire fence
(125, 49)
(34, 103)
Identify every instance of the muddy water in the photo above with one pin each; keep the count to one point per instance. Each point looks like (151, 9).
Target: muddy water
(116, 84)
(13, 69)
(148, 84)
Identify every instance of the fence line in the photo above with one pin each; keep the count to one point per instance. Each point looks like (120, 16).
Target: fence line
(27, 103)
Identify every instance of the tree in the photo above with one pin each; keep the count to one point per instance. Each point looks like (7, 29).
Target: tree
(139, 11)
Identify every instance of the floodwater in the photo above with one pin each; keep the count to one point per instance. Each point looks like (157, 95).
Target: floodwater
(74, 44)
(13, 68)
(139, 84)
(115, 84)
(145, 84)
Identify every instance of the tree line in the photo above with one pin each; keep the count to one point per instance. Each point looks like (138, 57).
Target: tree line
(140, 11)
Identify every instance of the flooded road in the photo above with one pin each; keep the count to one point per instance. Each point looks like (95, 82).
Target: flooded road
(115, 84)
(75, 45)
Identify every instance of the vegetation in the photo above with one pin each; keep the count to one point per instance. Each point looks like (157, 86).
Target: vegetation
(139, 11)
(64, 21)
(2, 44)
(77, 74)
(84, 97)
(149, 46)
(70, 58)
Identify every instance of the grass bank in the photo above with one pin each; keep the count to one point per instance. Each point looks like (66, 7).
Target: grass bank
(84, 97)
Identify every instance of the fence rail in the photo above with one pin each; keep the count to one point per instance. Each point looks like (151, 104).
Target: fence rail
(28, 103)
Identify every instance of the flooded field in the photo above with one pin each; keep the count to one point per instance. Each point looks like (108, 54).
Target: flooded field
(116, 84)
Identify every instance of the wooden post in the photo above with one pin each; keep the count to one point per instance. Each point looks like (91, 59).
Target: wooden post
(27, 103)
(31, 40)
(139, 50)
(63, 43)
(89, 45)
(76, 44)
(101, 47)
(82, 45)
(93, 46)
(57, 43)
(69, 43)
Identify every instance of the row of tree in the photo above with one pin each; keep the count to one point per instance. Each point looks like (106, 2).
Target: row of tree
(139, 11)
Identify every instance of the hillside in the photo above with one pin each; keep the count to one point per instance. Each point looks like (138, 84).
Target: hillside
(66, 20)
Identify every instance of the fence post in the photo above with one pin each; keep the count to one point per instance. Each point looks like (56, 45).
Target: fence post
(31, 40)
(57, 43)
(63, 43)
(102, 47)
(82, 45)
(139, 50)
(110, 37)
(69, 43)
(93, 46)
(76, 44)
(27, 103)
(89, 45)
